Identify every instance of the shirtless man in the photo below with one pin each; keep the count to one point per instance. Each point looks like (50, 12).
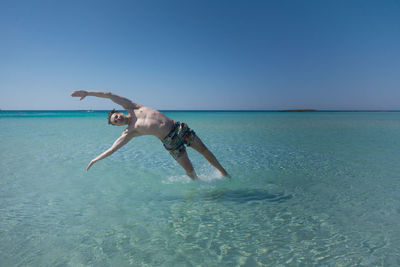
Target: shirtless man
(142, 120)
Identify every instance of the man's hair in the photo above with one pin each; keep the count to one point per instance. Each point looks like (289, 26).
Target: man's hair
(110, 114)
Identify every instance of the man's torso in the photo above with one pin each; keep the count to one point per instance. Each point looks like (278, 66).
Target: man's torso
(148, 121)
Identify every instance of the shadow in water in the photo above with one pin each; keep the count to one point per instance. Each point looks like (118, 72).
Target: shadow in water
(247, 195)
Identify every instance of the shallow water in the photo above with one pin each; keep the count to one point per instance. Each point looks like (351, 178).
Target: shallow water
(317, 188)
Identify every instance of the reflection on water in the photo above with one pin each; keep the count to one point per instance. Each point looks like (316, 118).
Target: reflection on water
(227, 195)
(246, 195)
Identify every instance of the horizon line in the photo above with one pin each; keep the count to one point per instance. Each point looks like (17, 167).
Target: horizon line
(227, 110)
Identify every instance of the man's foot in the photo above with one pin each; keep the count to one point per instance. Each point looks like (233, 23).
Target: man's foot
(192, 175)
(226, 175)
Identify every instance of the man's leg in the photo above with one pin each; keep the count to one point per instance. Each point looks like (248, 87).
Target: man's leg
(198, 145)
(184, 161)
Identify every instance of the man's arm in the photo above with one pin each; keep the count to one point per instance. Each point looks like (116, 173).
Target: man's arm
(124, 102)
(121, 141)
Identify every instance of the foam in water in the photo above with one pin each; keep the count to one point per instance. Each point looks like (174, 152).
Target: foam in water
(211, 177)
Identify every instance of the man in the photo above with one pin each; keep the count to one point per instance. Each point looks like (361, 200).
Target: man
(142, 120)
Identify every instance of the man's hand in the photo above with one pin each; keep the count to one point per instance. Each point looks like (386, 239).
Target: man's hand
(90, 164)
(80, 93)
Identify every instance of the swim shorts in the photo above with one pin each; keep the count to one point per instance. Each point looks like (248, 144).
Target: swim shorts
(178, 137)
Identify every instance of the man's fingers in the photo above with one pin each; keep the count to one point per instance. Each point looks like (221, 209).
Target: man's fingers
(79, 93)
(88, 167)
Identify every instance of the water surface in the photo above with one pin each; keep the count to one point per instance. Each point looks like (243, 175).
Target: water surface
(307, 188)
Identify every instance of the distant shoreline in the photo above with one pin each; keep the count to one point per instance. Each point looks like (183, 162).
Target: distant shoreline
(298, 110)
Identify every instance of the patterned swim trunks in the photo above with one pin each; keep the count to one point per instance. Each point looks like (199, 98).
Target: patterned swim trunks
(178, 137)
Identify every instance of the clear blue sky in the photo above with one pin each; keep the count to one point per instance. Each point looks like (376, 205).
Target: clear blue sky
(201, 54)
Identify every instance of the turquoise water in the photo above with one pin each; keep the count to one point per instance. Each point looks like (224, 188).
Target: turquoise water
(317, 188)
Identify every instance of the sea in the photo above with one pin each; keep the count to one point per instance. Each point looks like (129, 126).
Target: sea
(306, 189)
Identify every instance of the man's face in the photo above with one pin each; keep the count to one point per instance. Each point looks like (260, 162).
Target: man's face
(118, 119)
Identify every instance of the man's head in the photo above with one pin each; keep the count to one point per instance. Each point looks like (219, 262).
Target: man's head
(117, 118)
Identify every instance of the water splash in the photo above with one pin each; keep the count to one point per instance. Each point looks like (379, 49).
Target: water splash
(213, 177)
(183, 179)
